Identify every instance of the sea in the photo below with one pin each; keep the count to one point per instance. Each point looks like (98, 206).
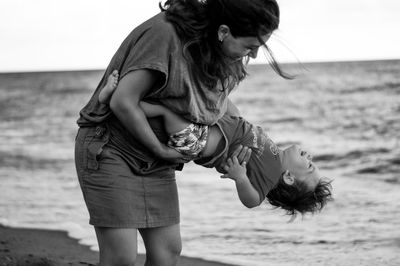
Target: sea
(347, 114)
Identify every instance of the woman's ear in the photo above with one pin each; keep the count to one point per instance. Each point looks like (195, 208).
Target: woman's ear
(288, 178)
(223, 32)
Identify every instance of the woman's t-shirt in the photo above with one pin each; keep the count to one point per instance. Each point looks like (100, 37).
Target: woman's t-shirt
(155, 45)
(264, 167)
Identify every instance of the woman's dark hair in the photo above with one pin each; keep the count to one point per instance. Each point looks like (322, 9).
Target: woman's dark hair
(197, 23)
(298, 198)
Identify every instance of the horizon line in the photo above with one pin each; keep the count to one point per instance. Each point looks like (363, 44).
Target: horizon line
(251, 63)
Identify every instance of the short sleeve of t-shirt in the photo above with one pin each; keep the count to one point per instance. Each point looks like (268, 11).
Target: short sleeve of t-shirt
(150, 46)
(155, 45)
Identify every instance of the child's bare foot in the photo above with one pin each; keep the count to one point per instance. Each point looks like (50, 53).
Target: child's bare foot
(111, 85)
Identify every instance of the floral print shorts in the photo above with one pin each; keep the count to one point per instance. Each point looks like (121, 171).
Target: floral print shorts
(190, 141)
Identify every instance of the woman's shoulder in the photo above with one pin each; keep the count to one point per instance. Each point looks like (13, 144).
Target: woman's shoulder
(150, 45)
(159, 27)
(160, 22)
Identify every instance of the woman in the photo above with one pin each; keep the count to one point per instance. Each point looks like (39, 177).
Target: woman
(188, 58)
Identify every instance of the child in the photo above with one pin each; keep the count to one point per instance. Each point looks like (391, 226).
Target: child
(287, 178)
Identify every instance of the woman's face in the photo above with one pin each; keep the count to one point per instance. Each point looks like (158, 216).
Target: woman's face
(239, 47)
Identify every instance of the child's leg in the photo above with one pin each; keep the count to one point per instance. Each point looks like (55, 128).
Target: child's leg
(111, 85)
(173, 122)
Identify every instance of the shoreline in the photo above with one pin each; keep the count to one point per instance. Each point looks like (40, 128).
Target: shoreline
(24, 246)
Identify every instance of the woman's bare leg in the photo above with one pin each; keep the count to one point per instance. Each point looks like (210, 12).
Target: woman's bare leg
(163, 245)
(118, 246)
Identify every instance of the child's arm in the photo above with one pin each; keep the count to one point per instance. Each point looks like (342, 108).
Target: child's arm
(248, 195)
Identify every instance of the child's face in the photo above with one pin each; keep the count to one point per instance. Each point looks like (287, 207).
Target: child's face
(300, 165)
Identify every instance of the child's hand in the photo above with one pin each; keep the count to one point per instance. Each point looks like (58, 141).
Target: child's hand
(234, 170)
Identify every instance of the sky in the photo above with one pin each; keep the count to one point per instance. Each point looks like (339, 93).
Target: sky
(43, 35)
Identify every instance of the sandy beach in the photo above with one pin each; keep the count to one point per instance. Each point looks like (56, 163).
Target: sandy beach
(34, 247)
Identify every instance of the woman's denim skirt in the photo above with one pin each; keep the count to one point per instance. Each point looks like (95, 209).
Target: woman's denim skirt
(115, 194)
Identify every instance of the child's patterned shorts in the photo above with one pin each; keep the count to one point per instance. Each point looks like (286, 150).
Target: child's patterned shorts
(189, 141)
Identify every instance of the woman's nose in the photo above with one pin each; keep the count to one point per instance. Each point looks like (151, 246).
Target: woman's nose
(253, 53)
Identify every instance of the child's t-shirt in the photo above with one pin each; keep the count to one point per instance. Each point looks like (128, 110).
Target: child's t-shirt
(264, 167)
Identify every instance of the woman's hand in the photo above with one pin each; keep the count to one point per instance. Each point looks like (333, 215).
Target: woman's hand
(168, 154)
(243, 154)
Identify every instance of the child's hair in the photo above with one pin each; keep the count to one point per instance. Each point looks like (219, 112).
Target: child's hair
(297, 198)
(197, 23)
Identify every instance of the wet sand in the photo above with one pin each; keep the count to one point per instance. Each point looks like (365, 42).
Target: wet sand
(33, 247)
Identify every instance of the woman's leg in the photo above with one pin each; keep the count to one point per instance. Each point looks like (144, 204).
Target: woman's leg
(118, 246)
(163, 245)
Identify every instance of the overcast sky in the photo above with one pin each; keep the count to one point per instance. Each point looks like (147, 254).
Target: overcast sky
(84, 34)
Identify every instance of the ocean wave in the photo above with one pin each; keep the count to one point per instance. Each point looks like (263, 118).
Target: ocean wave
(351, 155)
(392, 85)
(387, 86)
(392, 180)
(69, 90)
(21, 161)
(371, 170)
(323, 242)
(395, 161)
(380, 168)
(283, 120)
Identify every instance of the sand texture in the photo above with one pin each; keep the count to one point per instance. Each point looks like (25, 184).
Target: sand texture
(33, 247)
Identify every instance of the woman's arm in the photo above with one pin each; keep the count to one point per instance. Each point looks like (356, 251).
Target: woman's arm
(248, 195)
(125, 105)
